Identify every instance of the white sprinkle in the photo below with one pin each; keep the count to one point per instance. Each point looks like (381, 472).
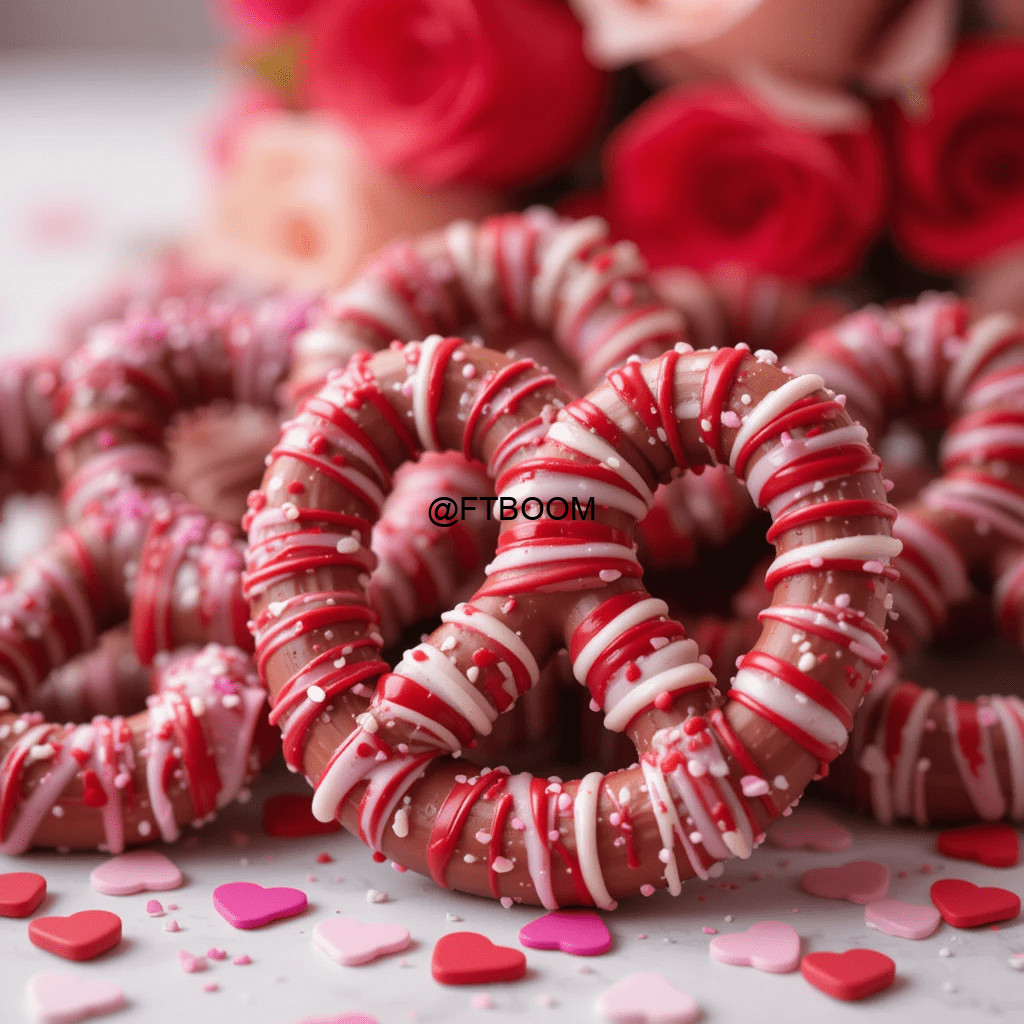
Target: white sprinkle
(400, 826)
(752, 785)
(316, 694)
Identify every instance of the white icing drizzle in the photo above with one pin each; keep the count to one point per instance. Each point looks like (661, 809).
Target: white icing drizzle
(866, 548)
(585, 807)
(773, 405)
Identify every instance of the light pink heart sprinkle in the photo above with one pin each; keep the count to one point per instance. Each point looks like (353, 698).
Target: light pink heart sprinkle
(859, 881)
(771, 946)
(138, 871)
(905, 920)
(59, 997)
(350, 942)
(242, 960)
(647, 998)
(340, 1018)
(809, 829)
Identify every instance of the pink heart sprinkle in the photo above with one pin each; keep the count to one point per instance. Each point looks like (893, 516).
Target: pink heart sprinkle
(138, 871)
(647, 998)
(340, 1018)
(579, 932)
(59, 997)
(771, 946)
(809, 829)
(905, 920)
(350, 942)
(859, 881)
(248, 905)
(154, 908)
(242, 960)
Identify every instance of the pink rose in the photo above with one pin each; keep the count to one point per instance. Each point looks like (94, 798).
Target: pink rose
(1007, 15)
(622, 31)
(819, 41)
(244, 108)
(495, 93)
(998, 286)
(267, 15)
(300, 203)
(704, 177)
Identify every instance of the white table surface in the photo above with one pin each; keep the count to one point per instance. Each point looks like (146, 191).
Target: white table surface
(114, 146)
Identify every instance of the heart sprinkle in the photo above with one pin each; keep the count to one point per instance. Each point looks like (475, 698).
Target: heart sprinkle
(59, 997)
(855, 974)
(994, 845)
(21, 892)
(904, 920)
(247, 905)
(138, 871)
(82, 936)
(350, 942)
(579, 932)
(647, 998)
(770, 946)
(859, 881)
(965, 905)
(468, 958)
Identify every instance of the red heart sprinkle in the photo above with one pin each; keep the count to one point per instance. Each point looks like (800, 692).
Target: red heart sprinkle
(289, 815)
(82, 936)
(966, 905)
(468, 958)
(20, 893)
(852, 975)
(996, 846)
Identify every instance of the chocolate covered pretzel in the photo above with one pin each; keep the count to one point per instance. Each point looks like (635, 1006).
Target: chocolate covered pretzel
(712, 772)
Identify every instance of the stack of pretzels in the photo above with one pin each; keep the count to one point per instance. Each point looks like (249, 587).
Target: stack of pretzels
(177, 618)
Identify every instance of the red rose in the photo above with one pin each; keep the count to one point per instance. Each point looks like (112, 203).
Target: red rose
(703, 177)
(960, 167)
(495, 92)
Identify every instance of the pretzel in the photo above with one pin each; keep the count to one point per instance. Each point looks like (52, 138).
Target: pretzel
(712, 773)
(921, 755)
(117, 781)
(916, 754)
(107, 680)
(531, 275)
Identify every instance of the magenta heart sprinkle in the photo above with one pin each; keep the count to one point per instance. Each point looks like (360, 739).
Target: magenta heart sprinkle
(247, 905)
(580, 932)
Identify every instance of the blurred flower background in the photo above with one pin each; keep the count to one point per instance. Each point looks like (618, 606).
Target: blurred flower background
(784, 151)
